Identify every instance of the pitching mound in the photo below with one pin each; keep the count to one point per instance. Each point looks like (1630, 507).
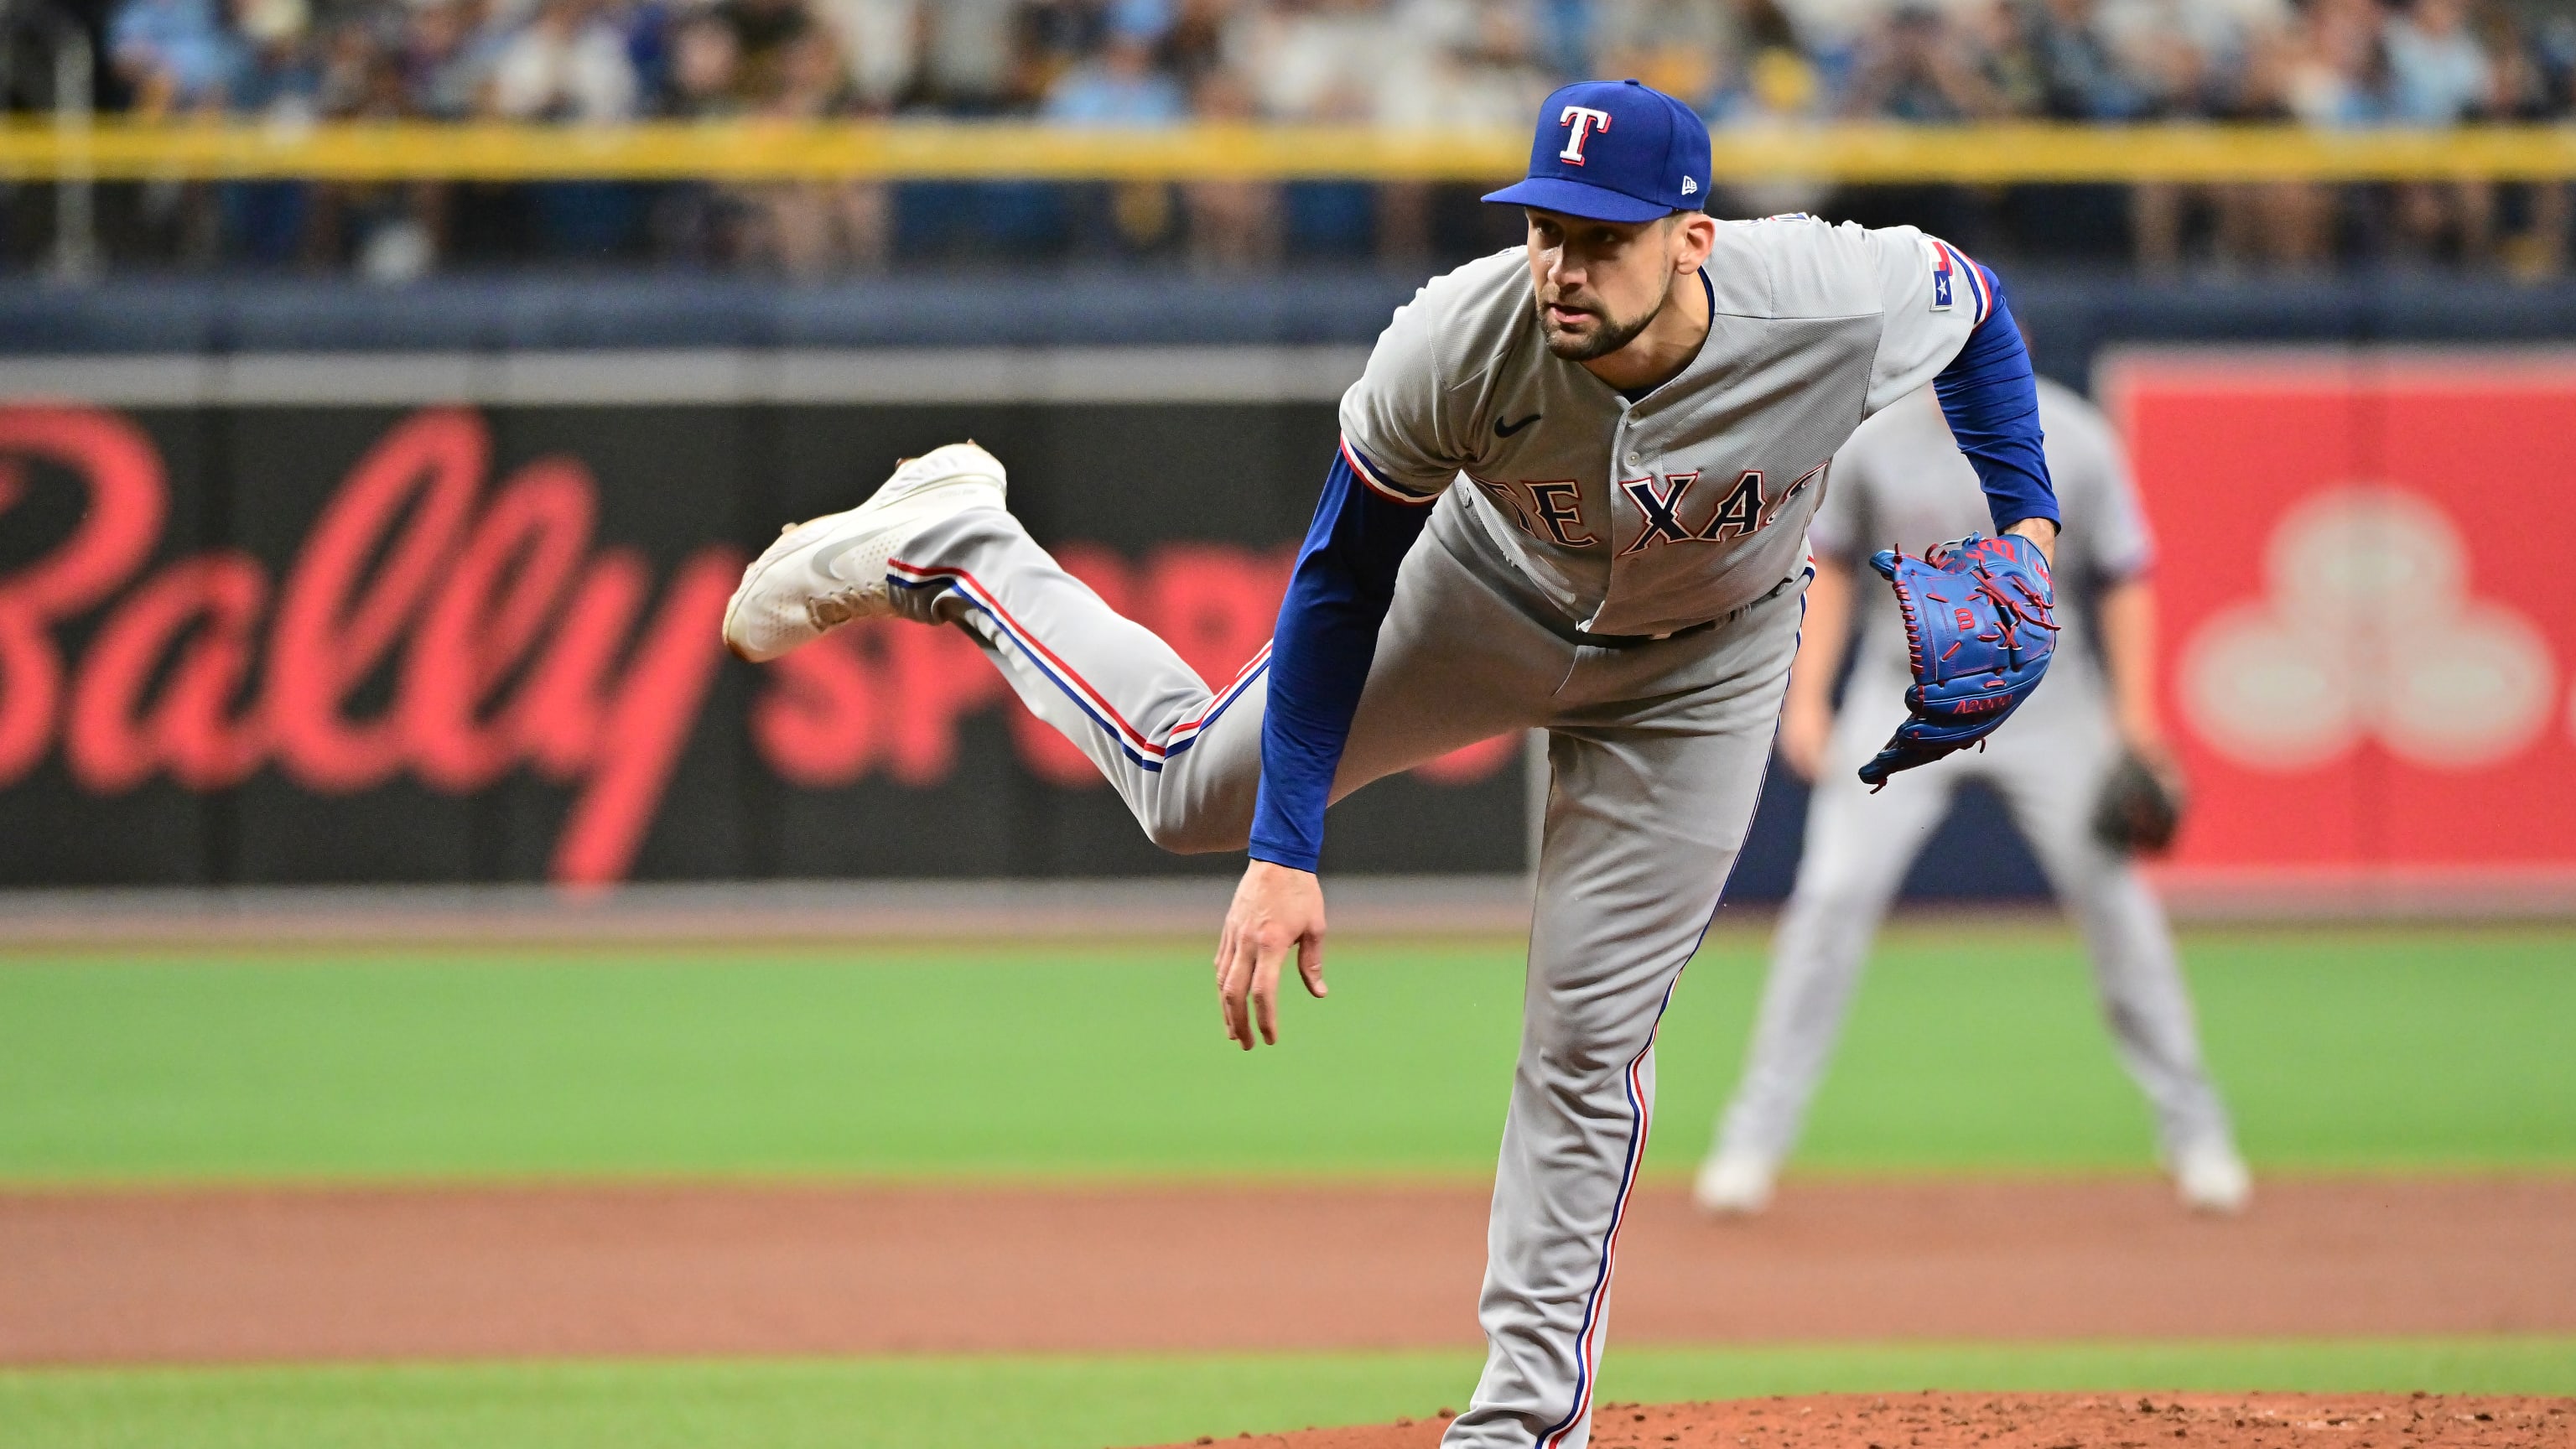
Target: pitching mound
(2032, 1421)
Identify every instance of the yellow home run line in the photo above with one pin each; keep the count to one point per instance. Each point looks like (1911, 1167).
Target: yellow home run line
(126, 150)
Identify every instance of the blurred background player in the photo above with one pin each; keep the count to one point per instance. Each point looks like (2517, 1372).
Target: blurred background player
(1901, 483)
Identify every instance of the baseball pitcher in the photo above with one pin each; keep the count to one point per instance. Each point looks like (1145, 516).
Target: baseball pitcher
(2083, 770)
(1572, 494)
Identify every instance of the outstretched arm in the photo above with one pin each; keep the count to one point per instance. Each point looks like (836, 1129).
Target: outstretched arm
(1319, 660)
(1992, 401)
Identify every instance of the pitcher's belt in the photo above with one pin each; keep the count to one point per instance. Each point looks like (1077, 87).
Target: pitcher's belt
(1631, 641)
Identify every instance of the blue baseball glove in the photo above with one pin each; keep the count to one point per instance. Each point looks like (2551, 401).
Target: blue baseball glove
(1979, 628)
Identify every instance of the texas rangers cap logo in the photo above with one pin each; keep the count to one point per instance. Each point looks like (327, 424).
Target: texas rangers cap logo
(1614, 151)
(1583, 121)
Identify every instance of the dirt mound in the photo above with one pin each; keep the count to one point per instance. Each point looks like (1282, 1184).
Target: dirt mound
(2031, 1421)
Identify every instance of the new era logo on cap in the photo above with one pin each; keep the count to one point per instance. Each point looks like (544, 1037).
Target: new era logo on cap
(1613, 151)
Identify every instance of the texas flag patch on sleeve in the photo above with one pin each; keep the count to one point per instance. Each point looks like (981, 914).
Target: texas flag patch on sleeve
(1952, 274)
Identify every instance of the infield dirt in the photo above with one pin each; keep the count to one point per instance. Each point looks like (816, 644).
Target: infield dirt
(2031, 1421)
(338, 1274)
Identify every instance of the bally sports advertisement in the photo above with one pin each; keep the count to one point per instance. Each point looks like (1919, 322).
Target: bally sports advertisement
(439, 619)
(419, 640)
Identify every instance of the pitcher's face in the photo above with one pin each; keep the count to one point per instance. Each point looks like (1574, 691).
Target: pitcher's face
(1597, 284)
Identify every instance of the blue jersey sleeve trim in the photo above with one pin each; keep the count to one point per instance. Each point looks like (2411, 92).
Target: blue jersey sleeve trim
(1319, 658)
(1992, 401)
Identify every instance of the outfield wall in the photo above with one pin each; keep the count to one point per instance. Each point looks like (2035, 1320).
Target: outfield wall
(395, 614)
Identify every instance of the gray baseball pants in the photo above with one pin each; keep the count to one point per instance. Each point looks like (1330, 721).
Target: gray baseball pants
(1656, 752)
(2048, 767)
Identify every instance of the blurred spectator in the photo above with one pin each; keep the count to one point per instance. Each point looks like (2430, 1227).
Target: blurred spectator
(570, 63)
(700, 221)
(1918, 68)
(274, 73)
(387, 229)
(447, 57)
(706, 71)
(968, 55)
(1683, 48)
(1320, 60)
(1233, 225)
(2199, 58)
(1468, 65)
(1117, 87)
(1194, 45)
(2439, 74)
(1460, 66)
(567, 64)
(2330, 71)
(174, 55)
(880, 44)
(1775, 84)
(2334, 69)
(764, 32)
(2077, 75)
(811, 229)
(274, 76)
(2192, 57)
(1057, 36)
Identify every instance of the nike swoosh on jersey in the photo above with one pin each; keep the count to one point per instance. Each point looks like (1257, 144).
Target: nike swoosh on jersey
(1504, 430)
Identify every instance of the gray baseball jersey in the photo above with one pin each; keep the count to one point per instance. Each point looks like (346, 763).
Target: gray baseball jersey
(1591, 525)
(1648, 516)
(1902, 483)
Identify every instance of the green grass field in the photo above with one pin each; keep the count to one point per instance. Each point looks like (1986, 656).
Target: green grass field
(2396, 1051)
(2346, 1050)
(1059, 1403)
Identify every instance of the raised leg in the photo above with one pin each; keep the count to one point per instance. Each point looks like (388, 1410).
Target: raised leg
(1455, 664)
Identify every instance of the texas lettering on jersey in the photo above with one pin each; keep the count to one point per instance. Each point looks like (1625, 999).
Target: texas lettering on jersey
(1550, 511)
(1553, 511)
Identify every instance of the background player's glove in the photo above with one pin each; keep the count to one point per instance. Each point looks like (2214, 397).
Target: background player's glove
(1980, 630)
(2139, 809)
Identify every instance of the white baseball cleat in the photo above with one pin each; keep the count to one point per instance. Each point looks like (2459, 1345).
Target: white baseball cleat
(1733, 1185)
(827, 571)
(2210, 1178)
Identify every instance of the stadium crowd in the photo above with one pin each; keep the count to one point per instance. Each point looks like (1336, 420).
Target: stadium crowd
(2326, 63)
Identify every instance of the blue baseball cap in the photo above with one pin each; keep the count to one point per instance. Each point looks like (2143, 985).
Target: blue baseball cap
(1614, 151)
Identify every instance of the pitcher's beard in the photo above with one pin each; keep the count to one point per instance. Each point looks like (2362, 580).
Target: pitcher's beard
(1608, 338)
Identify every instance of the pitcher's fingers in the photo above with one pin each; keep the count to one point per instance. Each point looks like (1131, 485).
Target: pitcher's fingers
(1310, 963)
(1225, 968)
(1265, 988)
(1238, 985)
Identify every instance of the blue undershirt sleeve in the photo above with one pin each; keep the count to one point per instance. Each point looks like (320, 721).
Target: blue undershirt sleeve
(1319, 657)
(1988, 394)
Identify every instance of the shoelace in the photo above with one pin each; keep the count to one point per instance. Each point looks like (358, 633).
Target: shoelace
(829, 611)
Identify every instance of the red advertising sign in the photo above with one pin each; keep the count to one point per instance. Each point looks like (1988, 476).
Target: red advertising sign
(445, 617)
(2370, 611)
